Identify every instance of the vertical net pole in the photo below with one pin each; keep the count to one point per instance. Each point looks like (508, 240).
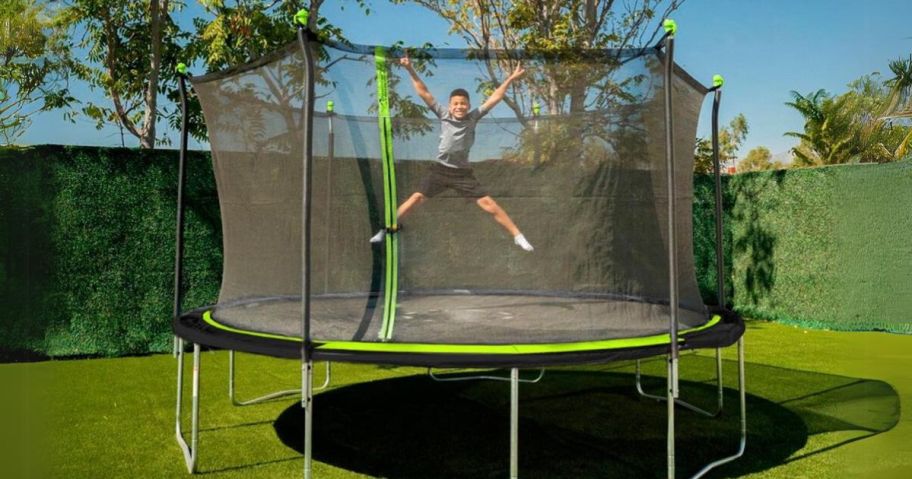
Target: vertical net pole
(306, 346)
(307, 159)
(331, 139)
(720, 265)
(391, 283)
(672, 203)
(672, 385)
(181, 179)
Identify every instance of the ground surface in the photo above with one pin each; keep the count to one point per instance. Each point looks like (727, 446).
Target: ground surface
(820, 405)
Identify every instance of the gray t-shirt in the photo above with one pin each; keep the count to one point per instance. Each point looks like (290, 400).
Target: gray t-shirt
(456, 136)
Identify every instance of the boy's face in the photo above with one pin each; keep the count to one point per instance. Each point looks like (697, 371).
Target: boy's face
(459, 106)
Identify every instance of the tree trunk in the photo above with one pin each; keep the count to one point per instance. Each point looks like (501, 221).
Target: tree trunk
(147, 134)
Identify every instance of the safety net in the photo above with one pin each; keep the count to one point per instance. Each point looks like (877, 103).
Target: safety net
(574, 155)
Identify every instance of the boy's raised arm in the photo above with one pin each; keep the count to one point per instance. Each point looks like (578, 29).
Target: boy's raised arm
(499, 93)
(419, 85)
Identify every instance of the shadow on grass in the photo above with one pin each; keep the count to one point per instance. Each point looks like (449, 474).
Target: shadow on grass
(582, 424)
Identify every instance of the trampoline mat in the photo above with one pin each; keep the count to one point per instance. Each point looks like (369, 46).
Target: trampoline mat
(453, 318)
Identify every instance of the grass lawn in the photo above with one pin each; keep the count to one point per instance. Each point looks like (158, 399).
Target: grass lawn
(820, 405)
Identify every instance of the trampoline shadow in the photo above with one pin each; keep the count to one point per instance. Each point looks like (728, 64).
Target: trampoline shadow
(577, 424)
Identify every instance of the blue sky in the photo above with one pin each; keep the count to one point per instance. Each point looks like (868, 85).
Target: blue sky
(764, 49)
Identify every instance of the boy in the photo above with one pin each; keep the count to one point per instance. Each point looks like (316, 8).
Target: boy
(452, 169)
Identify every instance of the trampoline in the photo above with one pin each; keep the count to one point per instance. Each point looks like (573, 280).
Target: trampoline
(316, 146)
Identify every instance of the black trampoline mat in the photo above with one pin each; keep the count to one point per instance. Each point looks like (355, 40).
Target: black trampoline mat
(454, 318)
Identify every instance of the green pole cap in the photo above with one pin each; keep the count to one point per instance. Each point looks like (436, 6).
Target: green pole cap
(181, 68)
(302, 17)
(718, 81)
(670, 26)
(536, 108)
(330, 105)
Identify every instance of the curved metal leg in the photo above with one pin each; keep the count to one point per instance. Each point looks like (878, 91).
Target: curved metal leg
(683, 403)
(190, 451)
(267, 397)
(541, 374)
(742, 399)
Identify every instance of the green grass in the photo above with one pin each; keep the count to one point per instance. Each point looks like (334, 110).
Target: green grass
(820, 404)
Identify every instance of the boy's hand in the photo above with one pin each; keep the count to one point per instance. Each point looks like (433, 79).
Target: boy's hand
(404, 61)
(517, 72)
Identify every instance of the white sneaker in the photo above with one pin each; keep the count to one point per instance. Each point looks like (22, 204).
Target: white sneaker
(521, 241)
(378, 237)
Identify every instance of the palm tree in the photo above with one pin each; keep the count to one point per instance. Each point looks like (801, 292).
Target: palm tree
(899, 104)
(830, 133)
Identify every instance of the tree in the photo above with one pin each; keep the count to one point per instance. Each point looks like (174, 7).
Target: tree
(758, 159)
(831, 133)
(551, 26)
(861, 125)
(730, 139)
(245, 30)
(898, 105)
(34, 62)
(558, 38)
(128, 44)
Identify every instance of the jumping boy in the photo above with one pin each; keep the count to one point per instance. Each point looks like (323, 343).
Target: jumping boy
(452, 169)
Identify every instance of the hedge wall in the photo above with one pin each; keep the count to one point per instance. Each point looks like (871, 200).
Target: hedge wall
(87, 242)
(824, 247)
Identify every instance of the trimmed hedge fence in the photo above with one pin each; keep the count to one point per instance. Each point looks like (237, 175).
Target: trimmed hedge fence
(87, 242)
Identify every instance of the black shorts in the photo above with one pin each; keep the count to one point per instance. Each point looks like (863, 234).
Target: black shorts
(439, 178)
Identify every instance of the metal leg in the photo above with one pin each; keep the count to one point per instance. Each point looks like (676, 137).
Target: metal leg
(670, 392)
(190, 451)
(514, 423)
(541, 374)
(683, 403)
(742, 396)
(307, 404)
(274, 395)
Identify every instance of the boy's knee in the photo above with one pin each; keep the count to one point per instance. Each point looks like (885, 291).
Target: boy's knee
(487, 203)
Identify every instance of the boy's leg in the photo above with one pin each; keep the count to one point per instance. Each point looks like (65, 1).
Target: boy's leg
(413, 201)
(489, 205)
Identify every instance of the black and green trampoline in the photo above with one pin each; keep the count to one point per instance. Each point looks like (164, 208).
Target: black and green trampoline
(590, 153)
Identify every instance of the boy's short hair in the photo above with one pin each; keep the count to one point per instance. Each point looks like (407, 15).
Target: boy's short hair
(459, 92)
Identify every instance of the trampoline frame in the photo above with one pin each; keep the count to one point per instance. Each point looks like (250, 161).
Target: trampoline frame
(665, 49)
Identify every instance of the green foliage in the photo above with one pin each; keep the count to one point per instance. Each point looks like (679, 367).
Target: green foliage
(128, 43)
(857, 126)
(831, 134)
(730, 139)
(554, 34)
(816, 246)
(34, 65)
(704, 241)
(758, 159)
(93, 233)
(243, 31)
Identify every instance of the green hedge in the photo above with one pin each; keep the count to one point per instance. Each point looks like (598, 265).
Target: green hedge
(825, 247)
(87, 236)
(88, 242)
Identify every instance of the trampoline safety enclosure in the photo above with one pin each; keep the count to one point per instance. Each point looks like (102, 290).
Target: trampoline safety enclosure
(316, 146)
